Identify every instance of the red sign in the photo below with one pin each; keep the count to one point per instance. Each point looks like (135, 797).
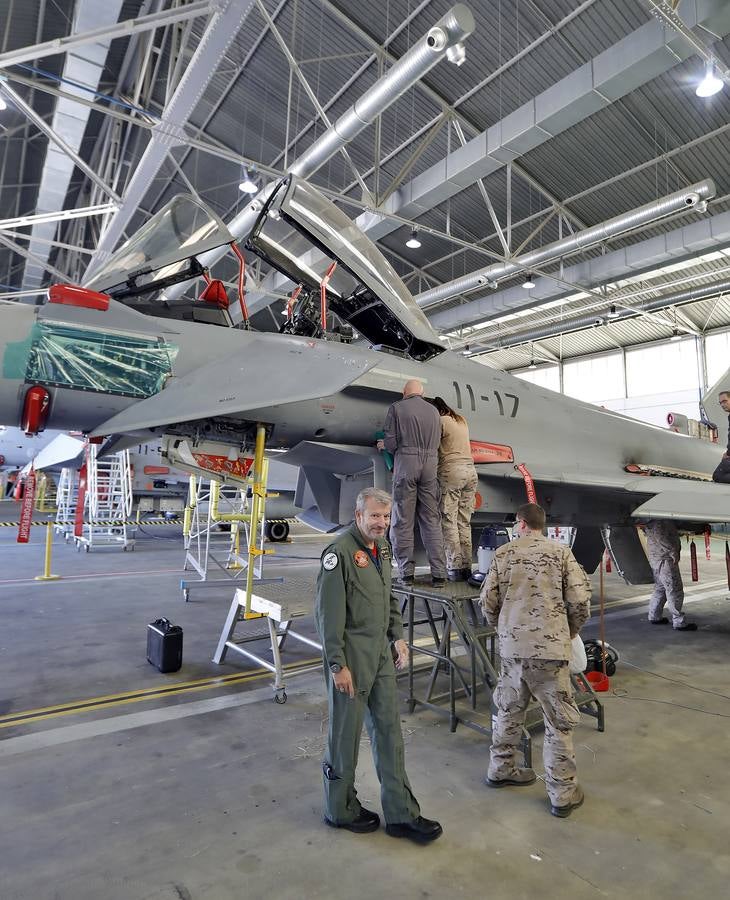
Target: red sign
(484, 452)
(80, 501)
(26, 509)
(238, 468)
(529, 483)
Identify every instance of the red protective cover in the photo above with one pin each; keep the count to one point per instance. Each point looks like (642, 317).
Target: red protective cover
(73, 295)
(35, 409)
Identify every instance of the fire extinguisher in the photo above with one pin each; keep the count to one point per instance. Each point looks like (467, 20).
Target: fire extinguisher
(35, 409)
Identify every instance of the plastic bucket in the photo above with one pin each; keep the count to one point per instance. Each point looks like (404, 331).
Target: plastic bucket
(599, 681)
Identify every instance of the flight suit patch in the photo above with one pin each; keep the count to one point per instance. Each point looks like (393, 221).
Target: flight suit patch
(385, 552)
(361, 559)
(329, 561)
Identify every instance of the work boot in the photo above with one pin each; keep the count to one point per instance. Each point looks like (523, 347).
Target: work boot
(454, 574)
(562, 812)
(365, 822)
(663, 621)
(406, 580)
(420, 830)
(519, 778)
(688, 626)
(438, 581)
(466, 574)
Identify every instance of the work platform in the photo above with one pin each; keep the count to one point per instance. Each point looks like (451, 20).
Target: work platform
(447, 626)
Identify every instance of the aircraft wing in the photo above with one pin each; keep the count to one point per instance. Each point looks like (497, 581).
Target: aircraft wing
(250, 380)
(687, 501)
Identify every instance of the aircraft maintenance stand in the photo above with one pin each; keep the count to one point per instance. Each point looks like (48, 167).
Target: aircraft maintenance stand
(447, 626)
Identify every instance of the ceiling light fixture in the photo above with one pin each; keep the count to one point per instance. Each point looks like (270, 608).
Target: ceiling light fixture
(533, 364)
(247, 184)
(676, 336)
(528, 283)
(710, 84)
(413, 241)
(3, 104)
(613, 312)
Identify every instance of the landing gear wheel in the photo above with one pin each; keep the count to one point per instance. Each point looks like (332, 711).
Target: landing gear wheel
(280, 697)
(277, 531)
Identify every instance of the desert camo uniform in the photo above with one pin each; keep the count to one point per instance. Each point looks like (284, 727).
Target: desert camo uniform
(663, 549)
(458, 481)
(536, 594)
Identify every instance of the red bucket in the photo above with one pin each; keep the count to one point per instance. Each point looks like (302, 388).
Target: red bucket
(599, 681)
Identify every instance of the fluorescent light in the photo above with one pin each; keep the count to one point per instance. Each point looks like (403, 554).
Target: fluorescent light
(61, 215)
(676, 336)
(710, 84)
(528, 283)
(612, 313)
(413, 241)
(3, 104)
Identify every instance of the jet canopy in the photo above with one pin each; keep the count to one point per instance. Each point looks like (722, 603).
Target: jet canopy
(164, 251)
(363, 289)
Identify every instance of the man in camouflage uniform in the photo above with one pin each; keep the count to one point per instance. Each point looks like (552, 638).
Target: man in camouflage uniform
(538, 597)
(663, 549)
(412, 434)
(359, 624)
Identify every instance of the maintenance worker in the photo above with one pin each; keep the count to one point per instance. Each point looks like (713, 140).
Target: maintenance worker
(538, 597)
(663, 548)
(722, 472)
(412, 434)
(359, 624)
(458, 480)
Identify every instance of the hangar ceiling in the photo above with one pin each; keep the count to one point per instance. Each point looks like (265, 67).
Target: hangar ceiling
(562, 116)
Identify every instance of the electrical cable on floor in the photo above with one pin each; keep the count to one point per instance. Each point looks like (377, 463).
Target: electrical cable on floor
(707, 712)
(676, 681)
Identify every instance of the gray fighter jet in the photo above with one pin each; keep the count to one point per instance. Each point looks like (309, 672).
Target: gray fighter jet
(85, 360)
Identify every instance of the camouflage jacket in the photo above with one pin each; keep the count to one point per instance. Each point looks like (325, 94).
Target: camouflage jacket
(535, 594)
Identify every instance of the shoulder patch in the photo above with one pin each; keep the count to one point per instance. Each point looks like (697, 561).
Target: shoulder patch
(329, 561)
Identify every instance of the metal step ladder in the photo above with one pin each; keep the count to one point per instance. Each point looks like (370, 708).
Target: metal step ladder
(219, 527)
(107, 501)
(66, 497)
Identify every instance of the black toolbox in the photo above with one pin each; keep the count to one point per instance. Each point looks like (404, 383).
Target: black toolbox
(164, 645)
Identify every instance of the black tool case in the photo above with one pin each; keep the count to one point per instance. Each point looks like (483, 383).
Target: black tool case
(164, 645)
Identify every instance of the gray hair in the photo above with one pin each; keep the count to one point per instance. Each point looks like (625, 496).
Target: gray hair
(382, 498)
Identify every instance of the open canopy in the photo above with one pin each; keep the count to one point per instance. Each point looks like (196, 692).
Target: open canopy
(163, 251)
(364, 289)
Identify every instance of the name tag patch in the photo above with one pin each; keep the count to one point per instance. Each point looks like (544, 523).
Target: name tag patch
(361, 559)
(329, 561)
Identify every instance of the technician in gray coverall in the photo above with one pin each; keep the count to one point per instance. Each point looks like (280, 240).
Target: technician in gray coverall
(412, 434)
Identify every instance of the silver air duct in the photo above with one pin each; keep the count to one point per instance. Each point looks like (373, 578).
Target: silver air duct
(446, 35)
(684, 200)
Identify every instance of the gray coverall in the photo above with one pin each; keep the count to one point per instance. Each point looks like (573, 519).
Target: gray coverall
(412, 434)
(663, 549)
(536, 595)
(357, 619)
(722, 472)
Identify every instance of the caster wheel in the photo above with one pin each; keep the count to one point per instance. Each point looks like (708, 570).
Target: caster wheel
(186, 595)
(280, 698)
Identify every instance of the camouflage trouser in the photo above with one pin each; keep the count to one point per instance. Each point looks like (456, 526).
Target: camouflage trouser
(669, 590)
(416, 497)
(549, 681)
(458, 491)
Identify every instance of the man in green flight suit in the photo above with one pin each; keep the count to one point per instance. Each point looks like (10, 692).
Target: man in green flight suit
(359, 624)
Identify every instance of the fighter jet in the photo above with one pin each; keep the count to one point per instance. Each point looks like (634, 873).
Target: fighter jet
(85, 360)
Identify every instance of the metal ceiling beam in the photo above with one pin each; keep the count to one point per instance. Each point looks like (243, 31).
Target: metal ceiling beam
(222, 29)
(120, 29)
(638, 58)
(581, 323)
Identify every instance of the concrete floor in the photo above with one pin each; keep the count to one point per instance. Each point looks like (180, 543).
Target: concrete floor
(214, 792)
